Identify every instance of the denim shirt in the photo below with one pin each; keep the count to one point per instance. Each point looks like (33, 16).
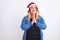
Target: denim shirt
(26, 24)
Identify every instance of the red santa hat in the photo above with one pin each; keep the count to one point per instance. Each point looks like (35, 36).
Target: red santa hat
(30, 4)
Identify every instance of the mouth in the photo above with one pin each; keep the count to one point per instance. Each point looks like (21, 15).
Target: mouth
(33, 10)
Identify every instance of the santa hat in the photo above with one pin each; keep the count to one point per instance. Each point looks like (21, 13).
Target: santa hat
(30, 4)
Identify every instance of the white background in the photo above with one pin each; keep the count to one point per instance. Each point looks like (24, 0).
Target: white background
(12, 12)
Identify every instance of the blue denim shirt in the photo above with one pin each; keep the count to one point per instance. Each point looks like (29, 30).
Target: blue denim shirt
(26, 24)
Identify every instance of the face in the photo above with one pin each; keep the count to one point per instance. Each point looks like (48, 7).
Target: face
(33, 9)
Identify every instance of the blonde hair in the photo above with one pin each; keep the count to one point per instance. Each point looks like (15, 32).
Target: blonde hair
(29, 13)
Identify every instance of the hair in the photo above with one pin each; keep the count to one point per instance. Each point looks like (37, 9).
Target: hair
(29, 13)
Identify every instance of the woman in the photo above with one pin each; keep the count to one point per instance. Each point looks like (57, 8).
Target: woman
(33, 23)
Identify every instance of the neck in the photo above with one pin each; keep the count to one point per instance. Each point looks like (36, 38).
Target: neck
(33, 16)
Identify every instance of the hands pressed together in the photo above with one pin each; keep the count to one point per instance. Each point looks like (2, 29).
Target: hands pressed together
(33, 20)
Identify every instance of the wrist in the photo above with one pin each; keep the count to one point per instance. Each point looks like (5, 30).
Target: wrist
(32, 22)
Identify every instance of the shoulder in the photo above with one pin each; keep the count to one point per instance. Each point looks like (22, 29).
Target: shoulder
(25, 17)
(40, 17)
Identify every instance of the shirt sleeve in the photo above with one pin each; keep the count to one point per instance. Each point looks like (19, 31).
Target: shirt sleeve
(26, 24)
(41, 24)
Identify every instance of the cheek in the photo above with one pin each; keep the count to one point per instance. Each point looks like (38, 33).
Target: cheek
(35, 10)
